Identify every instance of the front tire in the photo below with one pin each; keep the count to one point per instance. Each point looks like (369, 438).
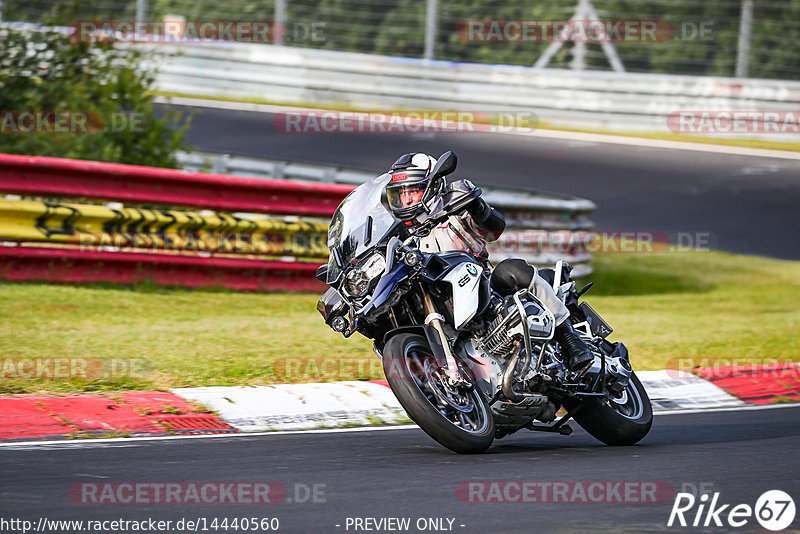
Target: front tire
(622, 421)
(461, 420)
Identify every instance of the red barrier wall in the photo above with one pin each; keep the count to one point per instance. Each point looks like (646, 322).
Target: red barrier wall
(72, 265)
(59, 177)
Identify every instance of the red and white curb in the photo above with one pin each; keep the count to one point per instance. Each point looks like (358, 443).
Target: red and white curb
(680, 390)
(307, 406)
(299, 406)
(119, 414)
(289, 407)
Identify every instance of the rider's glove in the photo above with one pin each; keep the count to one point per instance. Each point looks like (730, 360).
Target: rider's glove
(486, 217)
(480, 210)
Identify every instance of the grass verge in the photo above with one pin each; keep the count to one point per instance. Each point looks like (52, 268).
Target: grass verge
(671, 309)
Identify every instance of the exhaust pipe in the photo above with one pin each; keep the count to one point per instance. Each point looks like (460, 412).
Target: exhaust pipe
(529, 399)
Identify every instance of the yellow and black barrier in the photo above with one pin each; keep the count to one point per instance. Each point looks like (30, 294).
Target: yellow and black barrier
(98, 227)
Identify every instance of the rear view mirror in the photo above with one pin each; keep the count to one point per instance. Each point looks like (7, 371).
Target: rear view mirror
(445, 165)
(322, 273)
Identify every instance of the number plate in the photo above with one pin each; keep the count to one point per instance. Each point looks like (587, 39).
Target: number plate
(598, 325)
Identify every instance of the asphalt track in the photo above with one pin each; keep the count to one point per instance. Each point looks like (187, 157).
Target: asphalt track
(402, 473)
(746, 204)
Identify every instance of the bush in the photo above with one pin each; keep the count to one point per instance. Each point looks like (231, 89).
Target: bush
(44, 70)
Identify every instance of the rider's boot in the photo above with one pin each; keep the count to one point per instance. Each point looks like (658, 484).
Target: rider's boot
(576, 352)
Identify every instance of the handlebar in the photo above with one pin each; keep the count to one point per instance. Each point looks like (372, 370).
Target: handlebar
(425, 222)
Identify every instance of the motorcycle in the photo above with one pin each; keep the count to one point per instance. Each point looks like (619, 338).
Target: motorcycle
(467, 364)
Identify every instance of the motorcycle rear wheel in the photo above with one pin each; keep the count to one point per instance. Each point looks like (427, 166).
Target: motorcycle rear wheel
(458, 418)
(622, 421)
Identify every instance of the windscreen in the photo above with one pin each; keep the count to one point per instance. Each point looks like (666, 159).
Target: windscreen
(360, 222)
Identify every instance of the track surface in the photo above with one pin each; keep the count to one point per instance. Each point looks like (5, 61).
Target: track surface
(748, 204)
(402, 473)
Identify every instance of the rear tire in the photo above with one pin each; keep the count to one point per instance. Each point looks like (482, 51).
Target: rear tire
(623, 421)
(411, 371)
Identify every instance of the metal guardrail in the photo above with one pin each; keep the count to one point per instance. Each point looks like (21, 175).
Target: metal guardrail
(584, 99)
(47, 238)
(512, 200)
(542, 228)
(94, 227)
(270, 168)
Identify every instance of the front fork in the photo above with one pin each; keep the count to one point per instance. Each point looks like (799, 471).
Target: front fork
(434, 331)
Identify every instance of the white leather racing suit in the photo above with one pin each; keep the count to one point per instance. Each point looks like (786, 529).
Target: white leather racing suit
(461, 232)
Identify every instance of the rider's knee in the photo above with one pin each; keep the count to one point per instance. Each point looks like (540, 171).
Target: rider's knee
(511, 275)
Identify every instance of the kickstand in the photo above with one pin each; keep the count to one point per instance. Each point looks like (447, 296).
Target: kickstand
(558, 426)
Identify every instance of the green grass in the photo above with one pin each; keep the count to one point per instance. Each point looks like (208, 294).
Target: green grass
(698, 307)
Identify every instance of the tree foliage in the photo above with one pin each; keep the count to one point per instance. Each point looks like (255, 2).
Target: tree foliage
(47, 71)
(397, 27)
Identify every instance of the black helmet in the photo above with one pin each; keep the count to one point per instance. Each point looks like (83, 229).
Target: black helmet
(410, 187)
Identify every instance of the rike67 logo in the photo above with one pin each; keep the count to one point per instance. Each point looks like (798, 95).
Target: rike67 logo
(774, 510)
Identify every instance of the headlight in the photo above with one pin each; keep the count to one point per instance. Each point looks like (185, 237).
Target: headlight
(358, 279)
(339, 324)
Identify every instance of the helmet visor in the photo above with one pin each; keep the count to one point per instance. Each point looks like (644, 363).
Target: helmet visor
(404, 195)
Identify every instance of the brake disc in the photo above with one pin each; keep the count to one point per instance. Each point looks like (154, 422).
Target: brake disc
(436, 384)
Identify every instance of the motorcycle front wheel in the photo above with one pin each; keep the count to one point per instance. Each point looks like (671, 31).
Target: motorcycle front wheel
(459, 418)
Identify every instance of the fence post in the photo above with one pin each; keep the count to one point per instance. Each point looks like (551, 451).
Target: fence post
(431, 23)
(141, 10)
(280, 21)
(583, 11)
(745, 31)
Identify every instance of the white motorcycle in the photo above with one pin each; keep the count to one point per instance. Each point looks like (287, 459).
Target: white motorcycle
(467, 364)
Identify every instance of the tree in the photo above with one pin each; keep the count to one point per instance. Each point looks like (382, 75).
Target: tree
(100, 87)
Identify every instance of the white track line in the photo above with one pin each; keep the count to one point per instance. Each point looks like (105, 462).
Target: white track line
(120, 442)
(528, 132)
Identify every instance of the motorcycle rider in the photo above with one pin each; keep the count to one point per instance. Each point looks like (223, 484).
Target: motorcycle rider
(411, 190)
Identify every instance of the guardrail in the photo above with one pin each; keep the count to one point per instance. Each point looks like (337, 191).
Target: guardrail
(147, 239)
(143, 234)
(584, 99)
(270, 168)
(98, 227)
(542, 228)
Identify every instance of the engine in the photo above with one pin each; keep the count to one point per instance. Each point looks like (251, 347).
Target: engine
(505, 330)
